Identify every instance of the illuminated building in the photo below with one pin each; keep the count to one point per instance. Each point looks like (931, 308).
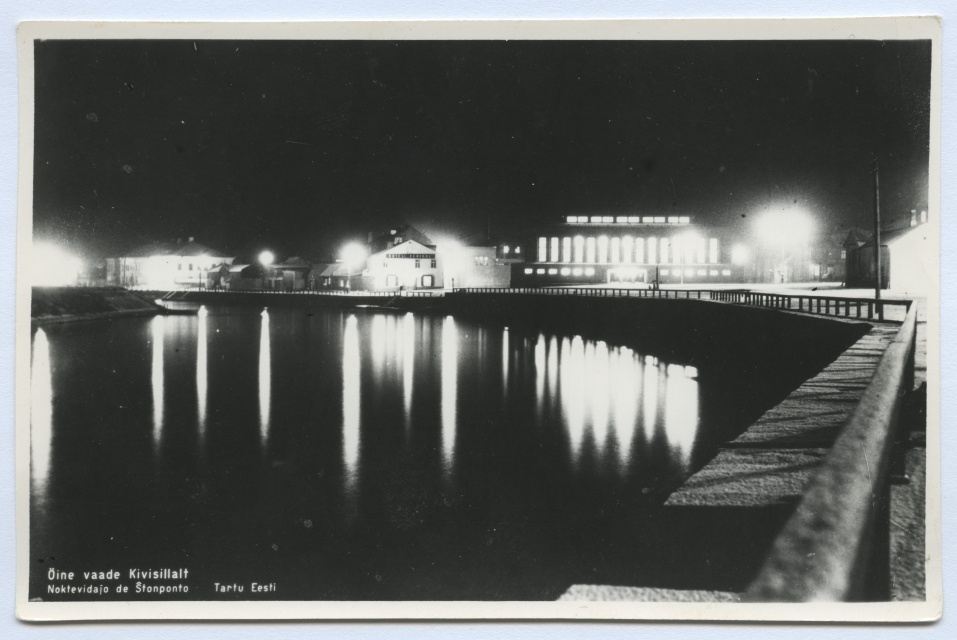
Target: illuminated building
(627, 249)
(164, 266)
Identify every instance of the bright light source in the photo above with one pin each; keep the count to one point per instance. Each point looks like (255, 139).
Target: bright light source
(505, 249)
(785, 227)
(740, 254)
(266, 258)
(54, 267)
(353, 254)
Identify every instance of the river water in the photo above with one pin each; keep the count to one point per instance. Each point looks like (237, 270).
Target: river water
(353, 455)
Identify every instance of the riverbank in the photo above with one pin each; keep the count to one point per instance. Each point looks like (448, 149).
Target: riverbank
(54, 305)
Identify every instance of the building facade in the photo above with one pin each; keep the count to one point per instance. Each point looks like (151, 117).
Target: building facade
(165, 266)
(630, 249)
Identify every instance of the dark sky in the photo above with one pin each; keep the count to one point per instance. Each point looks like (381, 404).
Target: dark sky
(298, 146)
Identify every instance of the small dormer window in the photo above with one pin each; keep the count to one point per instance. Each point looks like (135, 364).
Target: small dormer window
(398, 239)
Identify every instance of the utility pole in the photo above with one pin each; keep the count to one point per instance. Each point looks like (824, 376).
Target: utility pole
(877, 230)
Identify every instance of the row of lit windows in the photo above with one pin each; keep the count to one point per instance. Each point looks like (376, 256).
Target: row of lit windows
(590, 271)
(628, 219)
(627, 250)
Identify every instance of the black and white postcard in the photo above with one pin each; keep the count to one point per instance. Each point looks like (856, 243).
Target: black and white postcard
(470, 320)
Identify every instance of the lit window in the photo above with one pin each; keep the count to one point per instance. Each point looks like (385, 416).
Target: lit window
(572, 218)
(553, 253)
(608, 218)
(726, 272)
(518, 250)
(596, 218)
(923, 216)
(626, 247)
(713, 272)
(505, 249)
(539, 271)
(602, 249)
(579, 249)
(621, 219)
(528, 271)
(615, 256)
(639, 250)
(689, 272)
(566, 249)
(652, 250)
(844, 254)
(565, 271)
(684, 220)
(634, 219)
(589, 249)
(589, 271)
(713, 250)
(672, 219)
(665, 244)
(552, 272)
(659, 219)
(664, 272)
(542, 250)
(700, 249)
(576, 271)
(702, 272)
(647, 219)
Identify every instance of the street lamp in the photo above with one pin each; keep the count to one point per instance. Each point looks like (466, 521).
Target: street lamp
(266, 258)
(786, 228)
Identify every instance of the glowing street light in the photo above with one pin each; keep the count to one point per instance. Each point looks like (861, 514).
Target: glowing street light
(266, 258)
(785, 227)
(54, 267)
(740, 254)
(353, 255)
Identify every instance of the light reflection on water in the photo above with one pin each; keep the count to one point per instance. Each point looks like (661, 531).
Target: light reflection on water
(202, 372)
(450, 375)
(158, 327)
(351, 399)
(41, 414)
(401, 408)
(265, 377)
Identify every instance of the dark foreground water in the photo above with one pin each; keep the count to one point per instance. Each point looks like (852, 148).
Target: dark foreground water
(353, 455)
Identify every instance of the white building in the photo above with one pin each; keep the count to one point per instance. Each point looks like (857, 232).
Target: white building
(164, 266)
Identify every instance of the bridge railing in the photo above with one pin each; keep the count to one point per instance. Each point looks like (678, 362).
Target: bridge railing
(863, 308)
(835, 547)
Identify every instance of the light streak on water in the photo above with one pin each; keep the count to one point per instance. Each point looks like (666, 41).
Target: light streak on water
(41, 414)
(681, 414)
(553, 368)
(573, 392)
(650, 397)
(450, 363)
(351, 410)
(265, 377)
(627, 378)
(158, 328)
(505, 361)
(379, 347)
(540, 372)
(408, 365)
(599, 398)
(201, 371)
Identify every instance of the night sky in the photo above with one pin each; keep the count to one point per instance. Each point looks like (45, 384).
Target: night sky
(299, 146)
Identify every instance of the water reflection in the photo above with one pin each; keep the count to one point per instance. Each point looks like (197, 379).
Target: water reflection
(265, 377)
(606, 394)
(158, 330)
(41, 414)
(408, 366)
(505, 360)
(202, 372)
(450, 362)
(351, 412)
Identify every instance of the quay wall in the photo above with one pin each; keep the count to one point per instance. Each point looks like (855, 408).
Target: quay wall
(50, 305)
